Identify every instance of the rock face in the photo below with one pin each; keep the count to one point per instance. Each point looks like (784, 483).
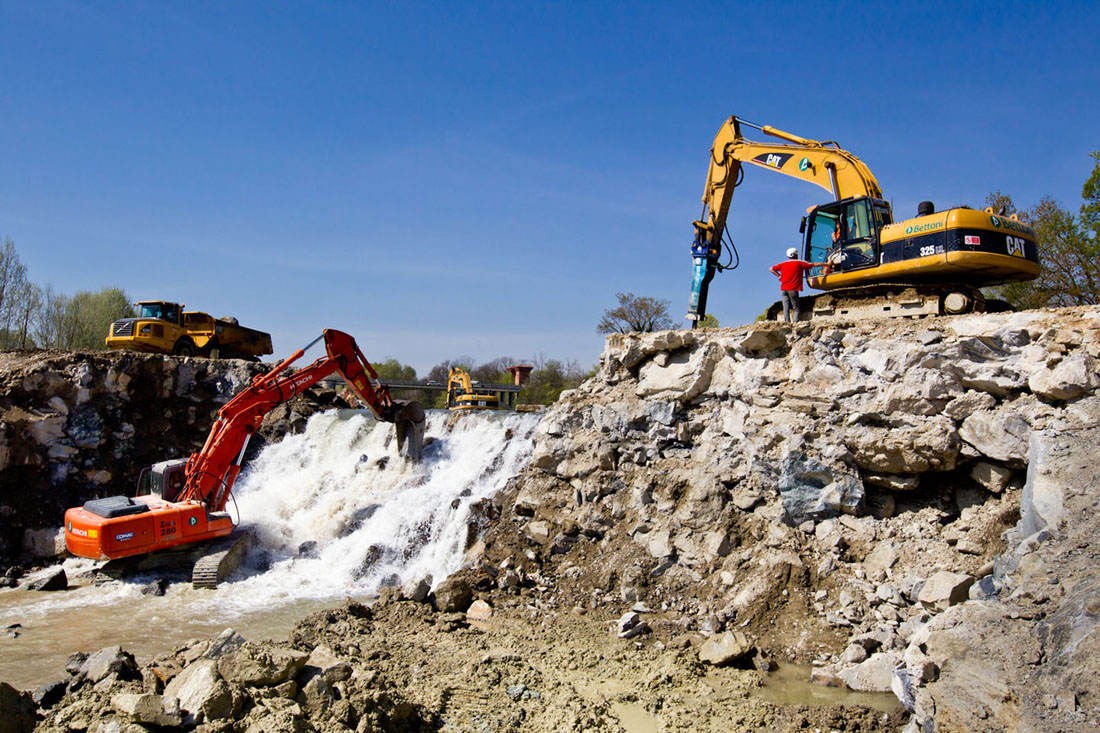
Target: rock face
(865, 471)
(76, 426)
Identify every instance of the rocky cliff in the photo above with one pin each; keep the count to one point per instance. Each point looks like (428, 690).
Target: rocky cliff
(838, 493)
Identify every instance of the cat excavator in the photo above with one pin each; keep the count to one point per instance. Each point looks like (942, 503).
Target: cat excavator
(186, 499)
(932, 264)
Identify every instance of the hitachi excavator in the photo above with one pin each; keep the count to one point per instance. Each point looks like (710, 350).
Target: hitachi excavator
(932, 264)
(187, 498)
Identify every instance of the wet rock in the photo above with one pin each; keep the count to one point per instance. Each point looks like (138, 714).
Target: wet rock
(726, 648)
(945, 589)
(202, 693)
(54, 579)
(259, 666)
(16, 710)
(157, 588)
(876, 674)
(453, 594)
(110, 660)
(148, 709)
(417, 589)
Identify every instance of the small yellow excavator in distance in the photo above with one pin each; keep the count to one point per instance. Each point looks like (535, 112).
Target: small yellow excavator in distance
(932, 264)
(463, 395)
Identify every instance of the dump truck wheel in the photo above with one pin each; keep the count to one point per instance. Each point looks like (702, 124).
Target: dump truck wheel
(184, 347)
(212, 350)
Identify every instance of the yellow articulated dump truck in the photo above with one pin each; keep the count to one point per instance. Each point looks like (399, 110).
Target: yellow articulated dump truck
(166, 328)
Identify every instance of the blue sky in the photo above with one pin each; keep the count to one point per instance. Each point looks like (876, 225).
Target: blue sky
(445, 179)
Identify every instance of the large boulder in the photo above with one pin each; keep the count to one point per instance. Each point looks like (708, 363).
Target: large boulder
(148, 709)
(1002, 436)
(52, 579)
(811, 490)
(255, 665)
(726, 648)
(202, 693)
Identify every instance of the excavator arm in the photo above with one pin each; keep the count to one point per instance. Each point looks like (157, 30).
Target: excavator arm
(822, 163)
(211, 472)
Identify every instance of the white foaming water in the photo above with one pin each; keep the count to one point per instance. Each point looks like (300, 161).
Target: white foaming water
(376, 520)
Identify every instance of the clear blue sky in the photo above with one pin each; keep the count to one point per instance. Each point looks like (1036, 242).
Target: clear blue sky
(441, 179)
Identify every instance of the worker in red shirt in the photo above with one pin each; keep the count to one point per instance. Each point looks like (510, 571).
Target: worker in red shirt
(790, 281)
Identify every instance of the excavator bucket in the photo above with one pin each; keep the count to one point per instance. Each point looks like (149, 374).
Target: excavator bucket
(409, 423)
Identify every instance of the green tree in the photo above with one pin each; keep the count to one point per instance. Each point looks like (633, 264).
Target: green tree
(708, 321)
(635, 313)
(1069, 249)
(88, 315)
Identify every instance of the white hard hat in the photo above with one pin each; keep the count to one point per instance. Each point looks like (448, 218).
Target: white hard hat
(792, 252)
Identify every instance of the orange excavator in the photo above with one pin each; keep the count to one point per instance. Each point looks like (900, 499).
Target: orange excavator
(187, 499)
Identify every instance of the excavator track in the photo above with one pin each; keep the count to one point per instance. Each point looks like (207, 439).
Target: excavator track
(219, 560)
(888, 300)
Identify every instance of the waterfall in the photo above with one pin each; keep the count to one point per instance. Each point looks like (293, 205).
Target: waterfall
(336, 512)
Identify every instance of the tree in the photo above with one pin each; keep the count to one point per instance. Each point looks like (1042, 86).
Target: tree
(89, 315)
(1069, 249)
(708, 321)
(636, 313)
(13, 288)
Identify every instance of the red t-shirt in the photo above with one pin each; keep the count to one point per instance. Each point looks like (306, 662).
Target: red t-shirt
(790, 273)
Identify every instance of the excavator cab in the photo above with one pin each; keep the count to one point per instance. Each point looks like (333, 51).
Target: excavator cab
(846, 233)
(164, 480)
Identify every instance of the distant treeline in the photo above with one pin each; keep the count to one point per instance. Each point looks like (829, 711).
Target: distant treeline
(32, 316)
(549, 378)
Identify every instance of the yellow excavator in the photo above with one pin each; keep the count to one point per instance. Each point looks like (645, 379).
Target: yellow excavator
(462, 394)
(932, 264)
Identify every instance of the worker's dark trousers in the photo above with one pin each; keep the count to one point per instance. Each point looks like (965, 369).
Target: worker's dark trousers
(790, 301)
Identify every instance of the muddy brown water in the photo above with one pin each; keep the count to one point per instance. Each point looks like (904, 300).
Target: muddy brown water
(52, 626)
